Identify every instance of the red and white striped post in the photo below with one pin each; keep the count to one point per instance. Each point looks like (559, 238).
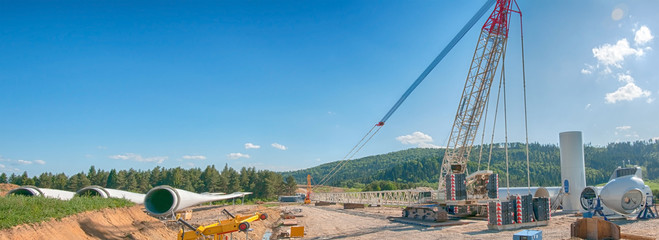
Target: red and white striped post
(452, 187)
(499, 220)
(518, 201)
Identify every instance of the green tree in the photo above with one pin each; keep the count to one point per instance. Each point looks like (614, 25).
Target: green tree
(233, 184)
(45, 180)
(211, 179)
(91, 174)
(13, 179)
(72, 184)
(175, 178)
(131, 181)
(59, 181)
(3, 178)
(26, 180)
(290, 186)
(83, 181)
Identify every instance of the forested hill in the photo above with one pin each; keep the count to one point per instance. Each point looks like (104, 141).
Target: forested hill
(421, 166)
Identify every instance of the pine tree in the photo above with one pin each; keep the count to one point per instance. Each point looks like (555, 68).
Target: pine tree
(91, 174)
(25, 179)
(234, 182)
(175, 178)
(59, 181)
(3, 178)
(211, 178)
(45, 180)
(112, 179)
(83, 181)
(121, 179)
(291, 186)
(72, 184)
(131, 182)
(13, 179)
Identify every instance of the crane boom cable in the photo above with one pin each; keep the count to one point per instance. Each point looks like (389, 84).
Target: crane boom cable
(439, 58)
(496, 113)
(505, 123)
(341, 164)
(526, 123)
(480, 153)
(416, 83)
(324, 179)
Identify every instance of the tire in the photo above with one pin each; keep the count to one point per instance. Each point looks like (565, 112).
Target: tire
(243, 226)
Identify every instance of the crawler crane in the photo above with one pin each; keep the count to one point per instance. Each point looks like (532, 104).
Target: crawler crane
(469, 194)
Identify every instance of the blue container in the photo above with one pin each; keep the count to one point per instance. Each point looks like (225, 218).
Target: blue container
(528, 235)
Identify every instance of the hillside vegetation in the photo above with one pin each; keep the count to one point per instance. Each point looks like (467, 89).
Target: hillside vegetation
(421, 166)
(18, 210)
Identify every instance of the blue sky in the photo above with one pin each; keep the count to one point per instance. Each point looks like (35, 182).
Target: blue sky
(285, 85)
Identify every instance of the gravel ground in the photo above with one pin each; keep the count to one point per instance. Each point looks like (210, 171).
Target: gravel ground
(333, 222)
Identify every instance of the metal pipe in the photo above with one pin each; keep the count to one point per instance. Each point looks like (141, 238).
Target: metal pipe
(137, 198)
(43, 192)
(165, 200)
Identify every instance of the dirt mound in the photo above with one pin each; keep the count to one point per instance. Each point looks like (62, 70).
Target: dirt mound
(6, 187)
(121, 223)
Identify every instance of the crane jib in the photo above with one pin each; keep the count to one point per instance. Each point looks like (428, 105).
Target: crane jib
(438, 59)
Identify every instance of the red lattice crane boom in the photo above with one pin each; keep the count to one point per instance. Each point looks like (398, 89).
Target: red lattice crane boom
(490, 48)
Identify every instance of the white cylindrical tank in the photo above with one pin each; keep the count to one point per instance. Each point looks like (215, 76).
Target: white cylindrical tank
(573, 169)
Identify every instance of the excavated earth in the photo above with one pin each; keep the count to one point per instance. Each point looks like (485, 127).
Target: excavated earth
(120, 223)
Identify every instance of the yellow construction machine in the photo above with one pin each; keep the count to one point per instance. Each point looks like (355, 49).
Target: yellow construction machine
(217, 231)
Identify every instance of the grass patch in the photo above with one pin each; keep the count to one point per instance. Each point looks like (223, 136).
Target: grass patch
(18, 210)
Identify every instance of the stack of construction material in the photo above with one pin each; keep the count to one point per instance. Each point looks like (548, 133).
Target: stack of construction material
(524, 209)
(493, 186)
(501, 213)
(456, 187)
(541, 209)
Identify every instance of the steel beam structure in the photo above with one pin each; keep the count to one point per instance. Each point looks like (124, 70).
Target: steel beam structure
(392, 198)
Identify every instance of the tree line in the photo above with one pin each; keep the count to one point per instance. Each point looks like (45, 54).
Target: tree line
(421, 166)
(264, 184)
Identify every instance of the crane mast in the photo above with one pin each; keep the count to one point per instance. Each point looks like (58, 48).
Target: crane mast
(489, 50)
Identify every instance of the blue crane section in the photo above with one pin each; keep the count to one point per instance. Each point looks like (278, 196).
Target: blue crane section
(438, 59)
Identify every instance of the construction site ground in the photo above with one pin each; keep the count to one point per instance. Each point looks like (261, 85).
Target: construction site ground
(326, 222)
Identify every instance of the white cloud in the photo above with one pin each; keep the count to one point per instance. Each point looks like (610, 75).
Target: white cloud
(251, 146)
(623, 127)
(194, 157)
(627, 93)
(139, 158)
(237, 155)
(625, 78)
(588, 106)
(585, 71)
(40, 162)
(101, 147)
(608, 54)
(21, 161)
(8, 169)
(643, 35)
(420, 139)
(279, 146)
